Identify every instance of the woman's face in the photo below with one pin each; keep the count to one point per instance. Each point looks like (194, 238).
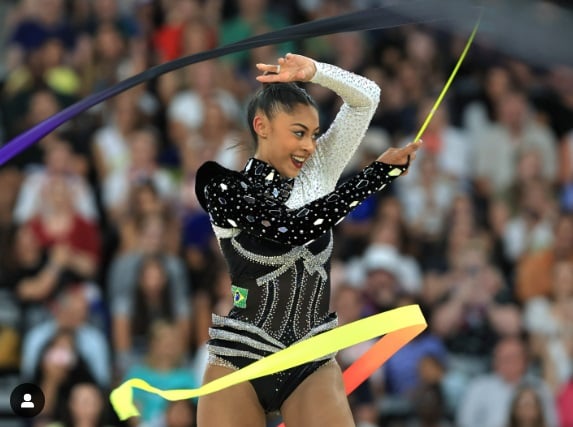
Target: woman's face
(527, 408)
(563, 280)
(166, 345)
(153, 279)
(59, 358)
(288, 139)
(86, 402)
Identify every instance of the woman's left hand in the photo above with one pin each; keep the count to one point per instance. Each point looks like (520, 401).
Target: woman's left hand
(291, 68)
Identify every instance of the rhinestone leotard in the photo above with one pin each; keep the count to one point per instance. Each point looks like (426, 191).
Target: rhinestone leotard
(275, 234)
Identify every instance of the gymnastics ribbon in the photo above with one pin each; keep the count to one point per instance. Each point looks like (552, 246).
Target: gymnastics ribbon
(399, 326)
(368, 19)
(448, 82)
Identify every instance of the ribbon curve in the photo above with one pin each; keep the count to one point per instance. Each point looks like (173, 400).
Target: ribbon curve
(398, 326)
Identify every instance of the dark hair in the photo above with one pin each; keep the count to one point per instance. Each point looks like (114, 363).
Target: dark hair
(144, 315)
(78, 373)
(275, 97)
(524, 388)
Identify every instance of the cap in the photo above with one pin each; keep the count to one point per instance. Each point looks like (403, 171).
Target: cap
(382, 257)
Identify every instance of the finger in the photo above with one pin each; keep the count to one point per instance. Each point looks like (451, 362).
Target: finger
(269, 78)
(410, 148)
(271, 68)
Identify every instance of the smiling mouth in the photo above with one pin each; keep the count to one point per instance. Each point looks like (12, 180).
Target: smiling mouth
(298, 161)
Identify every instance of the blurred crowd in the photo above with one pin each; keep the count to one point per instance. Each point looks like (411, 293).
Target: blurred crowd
(110, 270)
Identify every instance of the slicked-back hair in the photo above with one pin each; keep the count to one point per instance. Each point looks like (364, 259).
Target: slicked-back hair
(275, 97)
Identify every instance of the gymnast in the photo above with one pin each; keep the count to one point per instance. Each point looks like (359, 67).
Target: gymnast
(273, 221)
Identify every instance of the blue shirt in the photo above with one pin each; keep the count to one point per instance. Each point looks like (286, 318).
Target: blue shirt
(150, 405)
(401, 370)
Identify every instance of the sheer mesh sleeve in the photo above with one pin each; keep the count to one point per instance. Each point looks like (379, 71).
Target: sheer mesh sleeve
(233, 203)
(337, 145)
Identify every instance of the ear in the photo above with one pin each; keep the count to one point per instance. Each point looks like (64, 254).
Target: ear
(261, 125)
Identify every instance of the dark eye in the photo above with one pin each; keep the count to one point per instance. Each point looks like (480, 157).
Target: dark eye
(299, 133)
(316, 136)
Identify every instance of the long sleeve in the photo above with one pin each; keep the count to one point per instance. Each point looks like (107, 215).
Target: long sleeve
(234, 203)
(337, 145)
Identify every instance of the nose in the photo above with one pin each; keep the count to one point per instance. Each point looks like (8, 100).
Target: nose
(308, 145)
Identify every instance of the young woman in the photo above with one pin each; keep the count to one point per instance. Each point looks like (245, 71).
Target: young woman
(526, 409)
(273, 221)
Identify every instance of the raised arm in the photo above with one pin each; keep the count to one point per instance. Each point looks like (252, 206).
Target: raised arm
(337, 145)
(232, 203)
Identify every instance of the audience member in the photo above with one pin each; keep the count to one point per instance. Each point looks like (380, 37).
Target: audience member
(86, 408)
(548, 320)
(164, 276)
(70, 314)
(526, 409)
(513, 131)
(59, 368)
(487, 400)
(534, 271)
(163, 368)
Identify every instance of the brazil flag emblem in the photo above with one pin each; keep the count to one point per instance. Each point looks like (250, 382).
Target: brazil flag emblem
(239, 296)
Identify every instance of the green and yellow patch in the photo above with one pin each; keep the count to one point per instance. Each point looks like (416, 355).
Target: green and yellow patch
(239, 296)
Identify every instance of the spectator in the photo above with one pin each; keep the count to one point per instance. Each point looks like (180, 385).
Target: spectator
(498, 147)
(168, 38)
(107, 12)
(186, 112)
(71, 315)
(564, 408)
(58, 369)
(530, 230)
(448, 145)
(86, 408)
(168, 278)
(181, 413)
(110, 147)
(57, 226)
(144, 202)
(468, 318)
(43, 21)
(143, 166)
(429, 408)
(59, 162)
(347, 302)
(251, 15)
(548, 320)
(487, 400)
(428, 200)
(381, 287)
(526, 409)
(162, 368)
(534, 271)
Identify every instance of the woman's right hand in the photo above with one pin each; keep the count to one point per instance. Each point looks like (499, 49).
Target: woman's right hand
(291, 68)
(400, 156)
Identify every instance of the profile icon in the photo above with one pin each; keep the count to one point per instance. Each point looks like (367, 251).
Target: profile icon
(27, 400)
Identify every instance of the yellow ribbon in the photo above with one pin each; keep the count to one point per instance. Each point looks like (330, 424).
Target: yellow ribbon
(407, 319)
(448, 83)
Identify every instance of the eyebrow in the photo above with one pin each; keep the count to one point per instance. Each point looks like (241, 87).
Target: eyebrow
(305, 127)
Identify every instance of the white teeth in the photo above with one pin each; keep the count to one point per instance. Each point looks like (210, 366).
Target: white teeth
(299, 159)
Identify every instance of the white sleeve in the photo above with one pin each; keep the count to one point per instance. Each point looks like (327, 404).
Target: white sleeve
(336, 146)
(28, 198)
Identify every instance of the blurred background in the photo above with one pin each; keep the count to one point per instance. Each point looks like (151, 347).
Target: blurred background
(109, 268)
